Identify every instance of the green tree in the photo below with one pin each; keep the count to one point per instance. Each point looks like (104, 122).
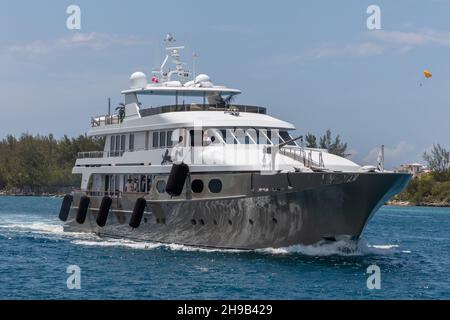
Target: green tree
(41, 163)
(438, 162)
(311, 141)
(335, 146)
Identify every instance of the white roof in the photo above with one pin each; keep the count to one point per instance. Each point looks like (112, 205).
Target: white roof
(414, 164)
(186, 91)
(189, 119)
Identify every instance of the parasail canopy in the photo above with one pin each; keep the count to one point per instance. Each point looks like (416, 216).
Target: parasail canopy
(427, 74)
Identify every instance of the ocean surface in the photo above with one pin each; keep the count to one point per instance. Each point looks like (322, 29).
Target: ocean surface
(411, 247)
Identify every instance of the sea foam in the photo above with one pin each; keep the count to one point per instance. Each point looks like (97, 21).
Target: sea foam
(341, 248)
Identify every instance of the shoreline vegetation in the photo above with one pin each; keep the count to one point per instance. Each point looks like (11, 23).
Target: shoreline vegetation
(42, 166)
(427, 190)
(397, 203)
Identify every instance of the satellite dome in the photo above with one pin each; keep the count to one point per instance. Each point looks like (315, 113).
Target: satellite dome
(138, 80)
(202, 78)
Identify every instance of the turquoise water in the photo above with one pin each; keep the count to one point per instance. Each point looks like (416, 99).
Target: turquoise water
(411, 246)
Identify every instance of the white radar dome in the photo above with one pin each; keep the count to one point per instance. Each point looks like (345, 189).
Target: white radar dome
(202, 78)
(138, 80)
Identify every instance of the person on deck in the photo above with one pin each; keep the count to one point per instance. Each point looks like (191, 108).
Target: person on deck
(129, 186)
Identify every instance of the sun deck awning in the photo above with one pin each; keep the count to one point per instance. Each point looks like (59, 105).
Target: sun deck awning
(183, 91)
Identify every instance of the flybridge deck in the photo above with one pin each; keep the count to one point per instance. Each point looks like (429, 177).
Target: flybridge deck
(215, 97)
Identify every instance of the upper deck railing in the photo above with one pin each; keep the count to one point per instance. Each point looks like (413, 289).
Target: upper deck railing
(100, 154)
(114, 119)
(304, 155)
(301, 154)
(201, 107)
(104, 120)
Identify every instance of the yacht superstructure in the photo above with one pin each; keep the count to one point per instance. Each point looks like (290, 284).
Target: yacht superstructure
(205, 171)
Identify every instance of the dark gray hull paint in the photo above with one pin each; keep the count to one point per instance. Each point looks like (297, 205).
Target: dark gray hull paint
(279, 211)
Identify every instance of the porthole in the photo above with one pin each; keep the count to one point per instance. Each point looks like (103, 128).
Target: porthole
(193, 222)
(202, 222)
(215, 185)
(197, 186)
(161, 186)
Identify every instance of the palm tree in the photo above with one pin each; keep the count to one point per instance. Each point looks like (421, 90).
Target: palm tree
(229, 100)
(121, 112)
(225, 103)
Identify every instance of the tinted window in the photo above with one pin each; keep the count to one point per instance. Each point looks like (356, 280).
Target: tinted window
(262, 139)
(215, 185)
(269, 134)
(286, 137)
(117, 143)
(155, 139)
(122, 143)
(147, 138)
(112, 143)
(169, 138)
(224, 134)
(162, 139)
(131, 142)
(197, 186)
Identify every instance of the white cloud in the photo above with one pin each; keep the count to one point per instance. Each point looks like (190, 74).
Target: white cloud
(391, 154)
(352, 49)
(422, 37)
(381, 41)
(399, 42)
(93, 40)
(377, 42)
(402, 42)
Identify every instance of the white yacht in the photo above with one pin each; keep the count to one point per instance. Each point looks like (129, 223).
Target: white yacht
(205, 171)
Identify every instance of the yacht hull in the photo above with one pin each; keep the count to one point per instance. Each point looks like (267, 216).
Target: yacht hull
(278, 211)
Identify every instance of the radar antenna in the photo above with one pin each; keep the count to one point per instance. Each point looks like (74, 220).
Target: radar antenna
(173, 53)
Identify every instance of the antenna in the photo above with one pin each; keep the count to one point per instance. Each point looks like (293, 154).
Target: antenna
(169, 38)
(173, 52)
(380, 159)
(194, 57)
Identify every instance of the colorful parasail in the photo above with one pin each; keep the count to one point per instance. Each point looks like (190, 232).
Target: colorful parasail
(427, 74)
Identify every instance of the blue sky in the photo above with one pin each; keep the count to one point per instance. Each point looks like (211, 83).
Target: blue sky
(313, 63)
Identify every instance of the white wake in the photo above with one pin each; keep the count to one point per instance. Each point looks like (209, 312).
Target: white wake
(341, 248)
